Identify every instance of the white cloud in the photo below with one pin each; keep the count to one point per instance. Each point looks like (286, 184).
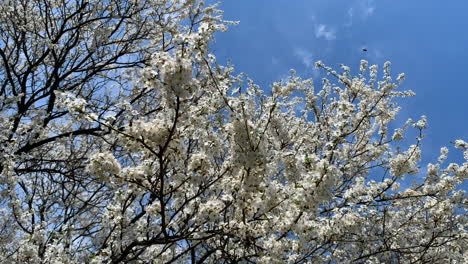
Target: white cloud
(275, 60)
(377, 54)
(362, 9)
(313, 18)
(374, 53)
(350, 17)
(324, 31)
(366, 8)
(305, 56)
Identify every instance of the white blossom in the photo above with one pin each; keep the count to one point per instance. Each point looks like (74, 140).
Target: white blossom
(103, 164)
(422, 123)
(124, 140)
(460, 144)
(406, 162)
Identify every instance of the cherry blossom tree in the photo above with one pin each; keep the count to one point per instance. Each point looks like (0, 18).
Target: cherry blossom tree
(123, 141)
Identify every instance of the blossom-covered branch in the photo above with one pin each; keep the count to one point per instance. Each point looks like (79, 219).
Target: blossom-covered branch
(123, 141)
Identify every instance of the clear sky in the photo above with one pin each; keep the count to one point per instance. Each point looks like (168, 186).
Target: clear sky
(427, 40)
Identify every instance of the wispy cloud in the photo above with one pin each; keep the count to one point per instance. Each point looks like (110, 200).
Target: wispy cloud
(375, 53)
(305, 56)
(366, 8)
(378, 54)
(361, 9)
(274, 60)
(324, 31)
(350, 17)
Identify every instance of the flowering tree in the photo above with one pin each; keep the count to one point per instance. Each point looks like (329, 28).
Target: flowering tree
(123, 141)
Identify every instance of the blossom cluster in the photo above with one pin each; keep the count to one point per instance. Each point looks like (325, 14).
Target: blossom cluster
(178, 160)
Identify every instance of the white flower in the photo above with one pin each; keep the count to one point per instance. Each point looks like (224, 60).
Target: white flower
(211, 209)
(443, 154)
(405, 162)
(156, 131)
(398, 134)
(363, 66)
(199, 162)
(460, 144)
(71, 102)
(422, 123)
(175, 72)
(103, 164)
(401, 77)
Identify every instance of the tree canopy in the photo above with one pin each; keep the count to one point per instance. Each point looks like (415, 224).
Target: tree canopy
(124, 141)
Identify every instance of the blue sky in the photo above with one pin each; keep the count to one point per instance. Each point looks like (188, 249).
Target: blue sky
(427, 40)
